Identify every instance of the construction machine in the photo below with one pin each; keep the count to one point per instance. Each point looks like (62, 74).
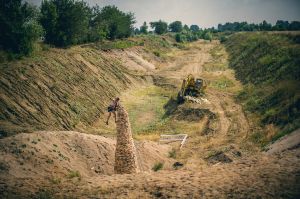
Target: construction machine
(191, 87)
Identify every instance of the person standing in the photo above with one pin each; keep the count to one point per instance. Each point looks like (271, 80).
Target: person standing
(112, 108)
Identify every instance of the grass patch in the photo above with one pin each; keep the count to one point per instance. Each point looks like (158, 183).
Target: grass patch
(55, 180)
(158, 166)
(222, 83)
(268, 66)
(117, 44)
(74, 174)
(172, 154)
(145, 107)
(44, 194)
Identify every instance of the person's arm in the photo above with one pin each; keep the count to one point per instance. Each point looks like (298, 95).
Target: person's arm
(116, 104)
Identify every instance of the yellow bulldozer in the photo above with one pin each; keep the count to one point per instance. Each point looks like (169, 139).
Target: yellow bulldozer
(191, 87)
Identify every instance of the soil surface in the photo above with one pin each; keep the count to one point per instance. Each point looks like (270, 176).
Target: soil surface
(219, 160)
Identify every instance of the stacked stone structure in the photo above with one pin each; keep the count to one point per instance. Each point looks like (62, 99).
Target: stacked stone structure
(125, 155)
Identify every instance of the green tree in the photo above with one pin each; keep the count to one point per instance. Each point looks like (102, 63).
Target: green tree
(144, 28)
(186, 28)
(294, 25)
(66, 22)
(175, 26)
(19, 27)
(179, 37)
(265, 26)
(207, 36)
(194, 28)
(281, 25)
(117, 23)
(160, 27)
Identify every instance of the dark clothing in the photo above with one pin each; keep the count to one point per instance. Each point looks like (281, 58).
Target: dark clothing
(112, 107)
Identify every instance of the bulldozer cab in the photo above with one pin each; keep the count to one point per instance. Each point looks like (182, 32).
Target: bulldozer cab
(198, 84)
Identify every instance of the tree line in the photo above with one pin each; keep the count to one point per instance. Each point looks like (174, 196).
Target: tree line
(63, 23)
(60, 23)
(183, 33)
(264, 26)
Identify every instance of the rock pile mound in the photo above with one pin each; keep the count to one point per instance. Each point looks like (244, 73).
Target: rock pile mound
(125, 155)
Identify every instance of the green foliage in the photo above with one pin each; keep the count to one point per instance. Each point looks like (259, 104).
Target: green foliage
(194, 28)
(160, 27)
(19, 27)
(144, 28)
(186, 28)
(117, 44)
(222, 83)
(43, 194)
(158, 166)
(156, 53)
(65, 21)
(180, 37)
(186, 37)
(268, 64)
(69, 22)
(172, 153)
(175, 26)
(223, 38)
(263, 26)
(116, 23)
(73, 174)
(207, 36)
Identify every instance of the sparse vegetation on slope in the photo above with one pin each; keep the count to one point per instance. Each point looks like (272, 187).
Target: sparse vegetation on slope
(59, 90)
(268, 65)
(66, 89)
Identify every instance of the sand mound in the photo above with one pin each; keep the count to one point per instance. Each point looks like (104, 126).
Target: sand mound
(47, 154)
(288, 142)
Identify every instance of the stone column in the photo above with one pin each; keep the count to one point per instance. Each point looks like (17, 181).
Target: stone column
(125, 155)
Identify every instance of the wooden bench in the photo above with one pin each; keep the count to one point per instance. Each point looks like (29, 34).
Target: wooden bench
(173, 138)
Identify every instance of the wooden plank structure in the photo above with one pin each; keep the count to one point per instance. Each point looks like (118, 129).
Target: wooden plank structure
(173, 138)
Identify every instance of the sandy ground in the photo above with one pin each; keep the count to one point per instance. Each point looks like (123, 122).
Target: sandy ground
(219, 160)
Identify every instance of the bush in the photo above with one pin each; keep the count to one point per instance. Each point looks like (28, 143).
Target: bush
(160, 27)
(74, 174)
(156, 53)
(19, 27)
(207, 36)
(158, 166)
(172, 153)
(223, 38)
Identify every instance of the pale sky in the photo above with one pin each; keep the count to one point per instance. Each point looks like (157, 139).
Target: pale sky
(205, 13)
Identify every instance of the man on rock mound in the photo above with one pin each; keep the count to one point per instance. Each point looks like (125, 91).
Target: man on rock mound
(125, 154)
(112, 108)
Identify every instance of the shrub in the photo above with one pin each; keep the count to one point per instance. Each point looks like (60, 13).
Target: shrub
(19, 27)
(158, 166)
(180, 38)
(207, 36)
(172, 153)
(73, 174)
(223, 38)
(156, 53)
(160, 27)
